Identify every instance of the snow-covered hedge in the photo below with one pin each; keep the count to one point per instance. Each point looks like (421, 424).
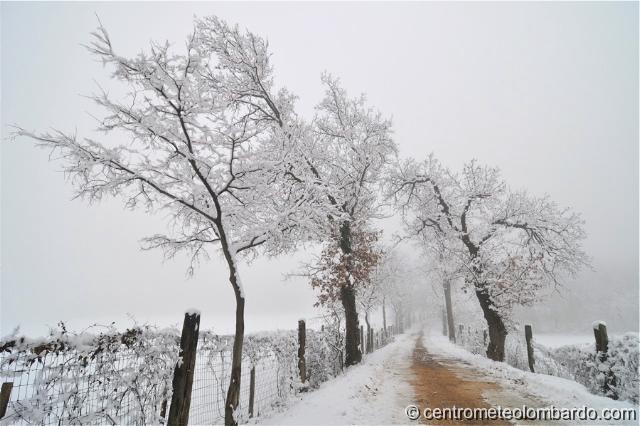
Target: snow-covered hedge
(105, 376)
(79, 378)
(622, 364)
(575, 362)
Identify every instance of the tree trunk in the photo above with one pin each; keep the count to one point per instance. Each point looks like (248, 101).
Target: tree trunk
(450, 324)
(348, 299)
(233, 393)
(384, 316)
(352, 328)
(497, 329)
(369, 342)
(398, 320)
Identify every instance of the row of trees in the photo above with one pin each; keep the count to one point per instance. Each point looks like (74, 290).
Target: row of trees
(206, 136)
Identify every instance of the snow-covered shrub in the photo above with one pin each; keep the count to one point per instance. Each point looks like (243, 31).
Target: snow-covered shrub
(574, 362)
(110, 377)
(621, 364)
(324, 356)
(472, 340)
(515, 350)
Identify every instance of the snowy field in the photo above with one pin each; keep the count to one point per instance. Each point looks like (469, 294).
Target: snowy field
(558, 340)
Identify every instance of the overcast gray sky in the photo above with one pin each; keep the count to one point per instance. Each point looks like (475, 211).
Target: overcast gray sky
(546, 91)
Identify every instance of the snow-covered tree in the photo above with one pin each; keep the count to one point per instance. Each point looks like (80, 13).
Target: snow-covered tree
(369, 296)
(205, 137)
(334, 267)
(395, 279)
(443, 271)
(350, 148)
(511, 245)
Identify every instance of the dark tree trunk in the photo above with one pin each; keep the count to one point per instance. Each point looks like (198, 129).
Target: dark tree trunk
(450, 324)
(497, 329)
(352, 327)
(369, 340)
(348, 299)
(233, 393)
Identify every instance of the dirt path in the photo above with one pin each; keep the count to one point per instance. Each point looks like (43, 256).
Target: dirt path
(441, 382)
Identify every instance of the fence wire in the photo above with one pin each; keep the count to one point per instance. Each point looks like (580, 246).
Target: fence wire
(125, 378)
(118, 378)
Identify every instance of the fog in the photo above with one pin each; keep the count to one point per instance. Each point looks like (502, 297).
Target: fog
(547, 92)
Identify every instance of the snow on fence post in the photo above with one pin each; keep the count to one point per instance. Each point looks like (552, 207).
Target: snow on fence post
(302, 342)
(5, 396)
(602, 349)
(252, 390)
(183, 373)
(602, 340)
(528, 335)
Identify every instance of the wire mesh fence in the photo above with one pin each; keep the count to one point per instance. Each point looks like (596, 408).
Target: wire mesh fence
(110, 378)
(115, 377)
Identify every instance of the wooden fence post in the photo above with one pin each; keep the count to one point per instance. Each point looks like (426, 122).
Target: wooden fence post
(5, 396)
(362, 348)
(528, 335)
(602, 349)
(302, 342)
(183, 373)
(252, 390)
(602, 339)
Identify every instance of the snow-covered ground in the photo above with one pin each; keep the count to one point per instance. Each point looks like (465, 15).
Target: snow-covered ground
(375, 392)
(557, 340)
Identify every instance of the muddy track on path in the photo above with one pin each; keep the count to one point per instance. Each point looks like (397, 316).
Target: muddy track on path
(438, 383)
